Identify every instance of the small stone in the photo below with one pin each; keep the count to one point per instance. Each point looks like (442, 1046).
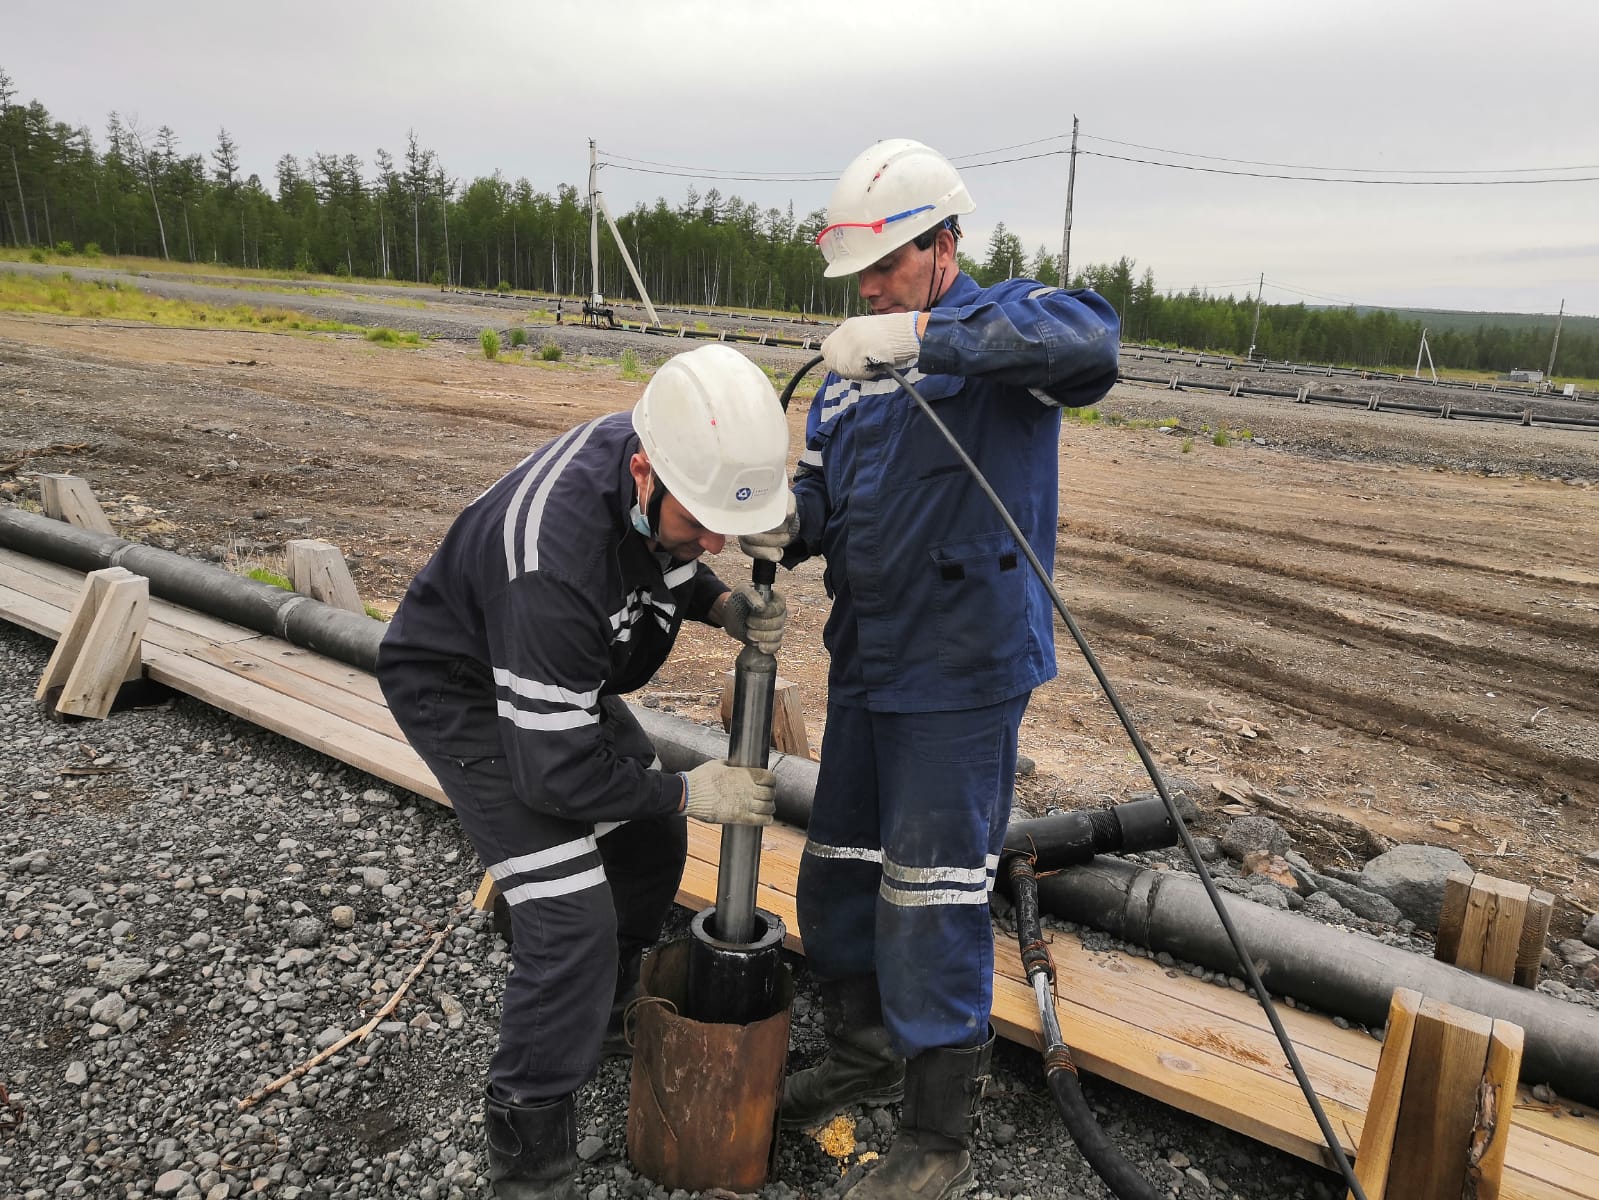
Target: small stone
(173, 1182)
(109, 1009)
(120, 972)
(342, 916)
(1179, 1160)
(1590, 931)
(305, 931)
(590, 1148)
(77, 1073)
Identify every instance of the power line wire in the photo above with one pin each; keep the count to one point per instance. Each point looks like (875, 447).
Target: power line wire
(1250, 162)
(1334, 178)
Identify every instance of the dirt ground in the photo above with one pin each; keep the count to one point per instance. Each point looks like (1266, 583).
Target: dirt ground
(1388, 626)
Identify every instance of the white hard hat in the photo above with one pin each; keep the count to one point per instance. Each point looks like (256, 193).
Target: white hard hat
(893, 191)
(716, 436)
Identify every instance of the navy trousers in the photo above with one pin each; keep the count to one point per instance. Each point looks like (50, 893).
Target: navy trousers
(904, 841)
(583, 897)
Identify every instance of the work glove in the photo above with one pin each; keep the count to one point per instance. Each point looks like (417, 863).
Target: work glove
(753, 621)
(771, 544)
(858, 348)
(721, 794)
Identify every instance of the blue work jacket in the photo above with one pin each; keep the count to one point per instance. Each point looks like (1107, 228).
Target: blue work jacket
(934, 607)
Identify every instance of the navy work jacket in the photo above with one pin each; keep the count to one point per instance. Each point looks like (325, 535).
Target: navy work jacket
(934, 607)
(542, 600)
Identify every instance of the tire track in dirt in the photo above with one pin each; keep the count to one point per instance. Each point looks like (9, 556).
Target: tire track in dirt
(1439, 601)
(1243, 671)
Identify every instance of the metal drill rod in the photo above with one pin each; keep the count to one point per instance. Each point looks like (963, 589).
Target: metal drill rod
(749, 745)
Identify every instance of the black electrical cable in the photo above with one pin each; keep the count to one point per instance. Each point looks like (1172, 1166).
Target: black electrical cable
(1340, 1159)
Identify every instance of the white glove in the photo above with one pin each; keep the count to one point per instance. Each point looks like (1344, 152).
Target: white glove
(858, 347)
(725, 795)
(771, 544)
(754, 622)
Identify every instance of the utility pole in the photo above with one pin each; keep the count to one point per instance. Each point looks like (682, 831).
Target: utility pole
(1427, 350)
(1549, 375)
(1259, 288)
(594, 227)
(1066, 237)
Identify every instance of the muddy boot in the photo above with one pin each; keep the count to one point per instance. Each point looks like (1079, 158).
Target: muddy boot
(930, 1158)
(532, 1149)
(860, 1067)
(614, 1044)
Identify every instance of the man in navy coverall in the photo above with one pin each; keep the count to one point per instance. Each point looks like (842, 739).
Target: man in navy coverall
(559, 589)
(938, 633)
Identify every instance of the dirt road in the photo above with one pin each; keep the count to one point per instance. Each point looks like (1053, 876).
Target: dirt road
(1373, 616)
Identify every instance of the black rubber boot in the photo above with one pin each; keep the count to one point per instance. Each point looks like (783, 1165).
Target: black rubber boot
(532, 1149)
(931, 1155)
(614, 1044)
(860, 1067)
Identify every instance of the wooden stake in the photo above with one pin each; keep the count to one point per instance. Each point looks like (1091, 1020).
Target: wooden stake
(486, 891)
(69, 498)
(788, 716)
(317, 569)
(1492, 926)
(1441, 1105)
(99, 649)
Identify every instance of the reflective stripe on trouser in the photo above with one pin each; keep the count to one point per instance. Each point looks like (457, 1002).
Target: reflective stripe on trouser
(905, 833)
(575, 891)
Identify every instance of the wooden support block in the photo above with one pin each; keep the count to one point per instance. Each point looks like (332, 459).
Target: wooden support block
(1534, 933)
(486, 892)
(69, 498)
(1483, 925)
(1441, 1104)
(317, 569)
(788, 716)
(99, 648)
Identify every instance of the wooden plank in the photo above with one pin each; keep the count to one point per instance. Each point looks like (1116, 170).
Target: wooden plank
(108, 653)
(317, 569)
(69, 498)
(1448, 1051)
(1490, 934)
(1452, 915)
(1534, 937)
(1382, 1110)
(1490, 1134)
(487, 890)
(271, 672)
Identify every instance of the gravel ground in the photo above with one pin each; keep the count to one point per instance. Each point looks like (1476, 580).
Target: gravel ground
(194, 906)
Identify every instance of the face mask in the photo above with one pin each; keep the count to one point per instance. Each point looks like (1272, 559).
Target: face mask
(641, 524)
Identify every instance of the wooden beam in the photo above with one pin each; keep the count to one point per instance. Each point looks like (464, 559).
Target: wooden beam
(99, 649)
(788, 716)
(1438, 1107)
(1382, 1110)
(1496, 1103)
(69, 498)
(317, 569)
(486, 891)
(1452, 915)
(1534, 935)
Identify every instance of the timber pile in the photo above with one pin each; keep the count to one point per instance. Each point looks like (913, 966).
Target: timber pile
(1198, 1047)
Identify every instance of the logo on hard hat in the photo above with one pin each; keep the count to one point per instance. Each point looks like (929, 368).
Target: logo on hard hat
(742, 494)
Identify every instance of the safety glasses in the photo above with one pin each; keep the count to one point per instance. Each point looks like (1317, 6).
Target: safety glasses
(829, 246)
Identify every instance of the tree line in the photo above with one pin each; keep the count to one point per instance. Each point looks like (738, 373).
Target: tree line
(405, 217)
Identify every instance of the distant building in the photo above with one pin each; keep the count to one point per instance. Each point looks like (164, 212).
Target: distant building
(1522, 375)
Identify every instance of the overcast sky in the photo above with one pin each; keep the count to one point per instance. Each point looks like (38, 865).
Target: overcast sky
(1383, 86)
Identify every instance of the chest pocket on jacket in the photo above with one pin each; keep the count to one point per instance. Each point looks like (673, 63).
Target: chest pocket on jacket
(980, 590)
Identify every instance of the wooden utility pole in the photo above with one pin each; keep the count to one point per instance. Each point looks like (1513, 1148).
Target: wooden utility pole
(1259, 288)
(1549, 375)
(1066, 237)
(594, 228)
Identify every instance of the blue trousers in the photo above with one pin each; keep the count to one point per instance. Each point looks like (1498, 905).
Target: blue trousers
(905, 834)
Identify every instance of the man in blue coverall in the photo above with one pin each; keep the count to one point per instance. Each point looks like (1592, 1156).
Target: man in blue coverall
(938, 633)
(558, 590)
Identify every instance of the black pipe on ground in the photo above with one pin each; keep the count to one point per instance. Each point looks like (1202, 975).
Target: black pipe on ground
(1340, 973)
(349, 637)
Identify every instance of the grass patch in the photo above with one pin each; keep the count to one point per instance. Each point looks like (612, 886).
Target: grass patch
(269, 577)
(490, 341)
(1220, 438)
(550, 352)
(518, 336)
(1188, 445)
(63, 295)
(630, 366)
(384, 336)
